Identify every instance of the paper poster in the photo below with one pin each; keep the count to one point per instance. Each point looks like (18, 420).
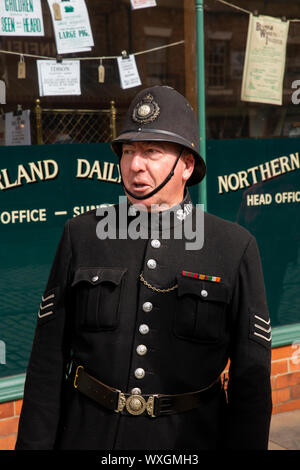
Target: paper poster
(129, 74)
(135, 4)
(59, 78)
(71, 26)
(21, 18)
(265, 60)
(17, 128)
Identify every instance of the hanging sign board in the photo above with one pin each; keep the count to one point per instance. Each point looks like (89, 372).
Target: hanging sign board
(71, 26)
(59, 78)
(21, 18)
(129, 74)
(265, 60)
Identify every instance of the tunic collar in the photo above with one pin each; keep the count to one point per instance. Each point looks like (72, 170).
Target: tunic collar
(168, 219)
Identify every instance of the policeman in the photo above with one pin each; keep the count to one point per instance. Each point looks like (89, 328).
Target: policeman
(133, 333)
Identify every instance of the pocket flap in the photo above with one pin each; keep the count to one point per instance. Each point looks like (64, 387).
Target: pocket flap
(96, 275)
(206, 290)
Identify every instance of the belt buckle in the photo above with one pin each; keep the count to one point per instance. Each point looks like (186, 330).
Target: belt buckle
(121, 401)
(76, 376)
(136, 404)
(150, 405)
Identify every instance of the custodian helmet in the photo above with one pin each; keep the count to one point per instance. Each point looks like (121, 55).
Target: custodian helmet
(160, 113)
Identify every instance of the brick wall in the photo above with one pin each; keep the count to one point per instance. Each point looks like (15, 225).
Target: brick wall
(9, 418)
(285, 375)
(285, 379)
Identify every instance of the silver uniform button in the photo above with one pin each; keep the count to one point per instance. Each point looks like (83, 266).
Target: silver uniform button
(155, 243)
(141, 349)
(136, 391)
(139, 373)
(147, 306)
(144, 329)
(95, 278)
(204, 293)
(151, 263)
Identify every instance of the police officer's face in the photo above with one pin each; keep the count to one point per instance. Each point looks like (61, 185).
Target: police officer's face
(145, 165)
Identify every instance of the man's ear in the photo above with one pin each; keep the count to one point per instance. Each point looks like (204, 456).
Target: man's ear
(189, 161)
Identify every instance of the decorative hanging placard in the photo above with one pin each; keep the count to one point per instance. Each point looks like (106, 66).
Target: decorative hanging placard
(21, 18)
(21, 67)
(101, 73)
(56, 11)
(265, 60)
(71, 26)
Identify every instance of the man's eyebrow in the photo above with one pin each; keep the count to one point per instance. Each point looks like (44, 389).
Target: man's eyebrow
(155, 142)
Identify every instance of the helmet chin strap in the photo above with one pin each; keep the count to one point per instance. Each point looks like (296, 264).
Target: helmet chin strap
(159, 187)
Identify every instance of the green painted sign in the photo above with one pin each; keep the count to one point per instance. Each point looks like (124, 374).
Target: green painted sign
(256, 183)
(40, 188)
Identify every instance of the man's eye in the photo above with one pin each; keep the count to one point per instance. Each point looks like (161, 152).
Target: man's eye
(152, 151)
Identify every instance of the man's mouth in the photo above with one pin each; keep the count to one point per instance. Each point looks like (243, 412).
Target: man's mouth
(139, 187)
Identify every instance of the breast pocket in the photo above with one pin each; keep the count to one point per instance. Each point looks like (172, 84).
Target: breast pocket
(98, 294)
(200, 312)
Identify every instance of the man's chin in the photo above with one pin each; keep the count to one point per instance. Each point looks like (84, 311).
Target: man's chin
(144, 203)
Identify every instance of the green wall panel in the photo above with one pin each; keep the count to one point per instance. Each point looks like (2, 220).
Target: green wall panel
(256, 183)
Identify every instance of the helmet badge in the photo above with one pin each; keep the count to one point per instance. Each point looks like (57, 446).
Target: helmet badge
(147, 110)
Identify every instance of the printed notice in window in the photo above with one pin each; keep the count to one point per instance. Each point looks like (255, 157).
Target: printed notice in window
(59, 78)
(129, 75)
(265, 60)
(135, 4)
(71, 26)
(21, 18)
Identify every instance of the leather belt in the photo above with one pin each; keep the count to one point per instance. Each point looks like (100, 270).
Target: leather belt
(152, 405)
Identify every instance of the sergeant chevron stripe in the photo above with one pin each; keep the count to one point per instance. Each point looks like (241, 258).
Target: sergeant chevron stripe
(47, 306)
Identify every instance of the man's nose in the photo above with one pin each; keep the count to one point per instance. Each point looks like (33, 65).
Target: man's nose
(138, 161)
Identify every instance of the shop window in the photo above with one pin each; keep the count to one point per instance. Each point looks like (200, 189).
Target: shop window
(156, 62)
(218, 52)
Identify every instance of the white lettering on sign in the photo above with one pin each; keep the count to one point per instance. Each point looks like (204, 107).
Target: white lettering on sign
(108, 172)
(23, 215)
(263, 172)
(266, 199)
(40, 170)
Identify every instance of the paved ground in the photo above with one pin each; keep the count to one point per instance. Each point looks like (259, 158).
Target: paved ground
(285, 431)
